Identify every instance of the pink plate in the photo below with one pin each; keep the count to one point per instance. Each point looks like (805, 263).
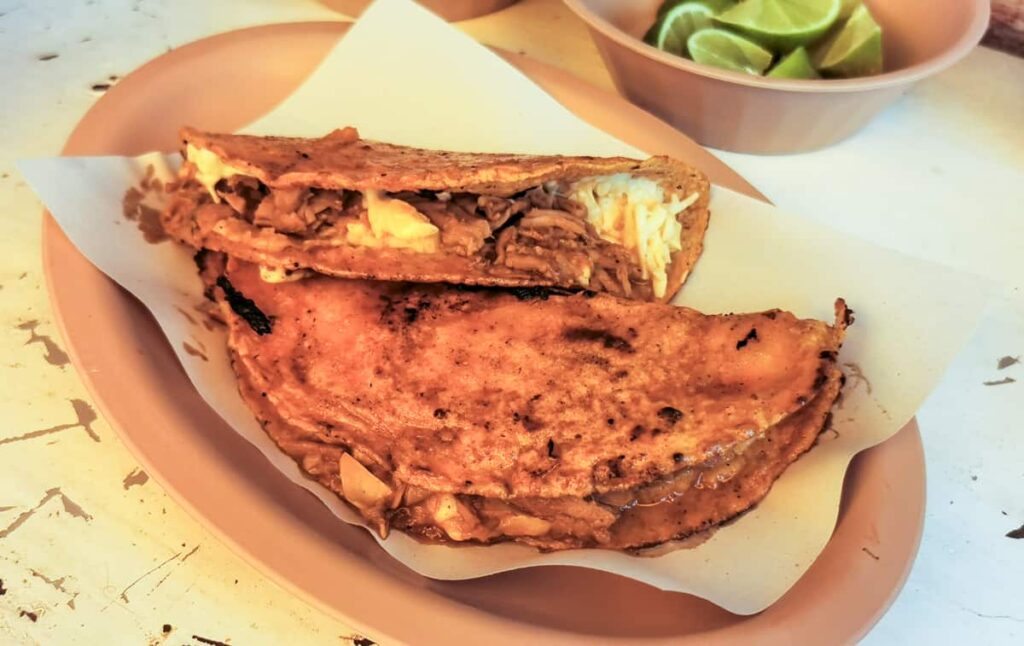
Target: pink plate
(223, 82)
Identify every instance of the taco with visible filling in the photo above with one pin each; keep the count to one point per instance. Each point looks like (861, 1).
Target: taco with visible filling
(353, 208)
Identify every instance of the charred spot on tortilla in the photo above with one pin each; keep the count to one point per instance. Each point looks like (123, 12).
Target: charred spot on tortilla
(670, 415)
(531, 424)
(751, 336)
(552, 450)
(604, 337)
(244, 307)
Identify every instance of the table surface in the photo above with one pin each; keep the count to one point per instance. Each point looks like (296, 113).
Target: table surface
(93, 551)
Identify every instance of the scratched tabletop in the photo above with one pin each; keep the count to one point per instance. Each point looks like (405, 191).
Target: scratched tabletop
(92, 551)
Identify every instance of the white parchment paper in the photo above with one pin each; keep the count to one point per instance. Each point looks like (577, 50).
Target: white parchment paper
(410, 78)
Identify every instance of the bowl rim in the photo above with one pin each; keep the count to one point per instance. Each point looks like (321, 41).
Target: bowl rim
(967, 41)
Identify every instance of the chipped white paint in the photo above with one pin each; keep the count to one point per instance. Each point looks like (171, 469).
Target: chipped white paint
(89, 546)
(99, 554)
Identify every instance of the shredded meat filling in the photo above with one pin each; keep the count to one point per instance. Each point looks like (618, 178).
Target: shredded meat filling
(499, 210)
(618, 519)
(539, 231)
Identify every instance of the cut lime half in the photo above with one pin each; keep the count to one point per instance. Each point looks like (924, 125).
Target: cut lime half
(674, 28)
(725, 49)
(846, 7)
(856, 50)
(781, 25)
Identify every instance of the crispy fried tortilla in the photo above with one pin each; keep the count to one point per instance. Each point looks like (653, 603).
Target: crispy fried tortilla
(349, 207)
(557, 420)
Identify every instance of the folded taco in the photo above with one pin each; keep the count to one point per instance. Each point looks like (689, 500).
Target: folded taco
(555, 420)
(348, 207)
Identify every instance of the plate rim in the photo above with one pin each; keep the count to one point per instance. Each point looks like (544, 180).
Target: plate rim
(52, 236)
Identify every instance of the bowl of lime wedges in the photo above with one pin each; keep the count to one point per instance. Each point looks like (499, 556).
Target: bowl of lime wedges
(776, 76)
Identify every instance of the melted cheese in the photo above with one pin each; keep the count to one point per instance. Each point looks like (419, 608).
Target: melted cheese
(389, 222)
(210, 168)
(634, 212)
(395, 224)
(359, 486)
(281, 275)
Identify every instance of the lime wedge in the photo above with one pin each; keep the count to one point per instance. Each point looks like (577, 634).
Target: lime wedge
(725, 49)
(671, 31)
(795, 66)
(651, 35)
(782, 25)
(846, 7)
(856, 50)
